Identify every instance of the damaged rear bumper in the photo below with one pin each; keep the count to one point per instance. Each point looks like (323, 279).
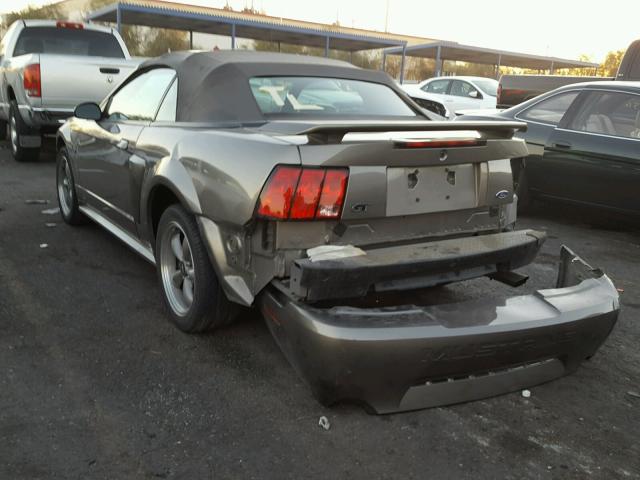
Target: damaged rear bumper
(405, 358)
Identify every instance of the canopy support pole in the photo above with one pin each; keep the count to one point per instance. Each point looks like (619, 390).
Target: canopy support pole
(233, 36)
(438, 61)
(384, 61)
(190, 39)
(552, 70)
(498, 66)
(404, 56)
(326, 47)
(118, 18)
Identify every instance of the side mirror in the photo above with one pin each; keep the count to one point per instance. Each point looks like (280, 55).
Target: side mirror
(475, 94)
(88, 111)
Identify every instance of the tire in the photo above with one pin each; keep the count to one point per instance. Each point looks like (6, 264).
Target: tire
(3, 130)
(17, 128)
(66, 190)
(190, 288)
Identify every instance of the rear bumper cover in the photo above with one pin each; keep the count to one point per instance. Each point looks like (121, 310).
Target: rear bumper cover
(406, 358)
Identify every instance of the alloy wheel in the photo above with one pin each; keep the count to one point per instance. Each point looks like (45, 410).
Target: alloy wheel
(65, 187)
(177, 269)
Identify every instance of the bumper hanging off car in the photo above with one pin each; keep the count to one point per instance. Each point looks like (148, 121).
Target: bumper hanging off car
(411, 357)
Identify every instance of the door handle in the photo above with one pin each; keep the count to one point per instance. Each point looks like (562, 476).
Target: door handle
(562, 145)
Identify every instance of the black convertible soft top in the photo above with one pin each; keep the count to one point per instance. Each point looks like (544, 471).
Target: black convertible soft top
(214, 86)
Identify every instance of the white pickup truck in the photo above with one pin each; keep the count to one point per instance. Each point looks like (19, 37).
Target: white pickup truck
(48, 67)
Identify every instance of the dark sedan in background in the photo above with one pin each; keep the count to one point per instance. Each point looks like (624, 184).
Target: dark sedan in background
(584, 146)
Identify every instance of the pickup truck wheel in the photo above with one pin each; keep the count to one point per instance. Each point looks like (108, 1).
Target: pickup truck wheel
(66, 189)
(16, 129)
(191, 290)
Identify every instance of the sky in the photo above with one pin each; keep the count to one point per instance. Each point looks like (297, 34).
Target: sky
(560, 28)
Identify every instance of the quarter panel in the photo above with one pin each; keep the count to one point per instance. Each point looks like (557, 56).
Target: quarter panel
(217, 173)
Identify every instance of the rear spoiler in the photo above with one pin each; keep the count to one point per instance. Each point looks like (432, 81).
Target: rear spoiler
(324, 132)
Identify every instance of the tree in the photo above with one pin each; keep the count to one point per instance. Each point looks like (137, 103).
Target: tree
(45, 12)
(609, 67)
(132, 35)
(145, 41)
(161, 41)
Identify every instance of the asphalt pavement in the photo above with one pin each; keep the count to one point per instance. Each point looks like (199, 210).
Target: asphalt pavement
(95, 382)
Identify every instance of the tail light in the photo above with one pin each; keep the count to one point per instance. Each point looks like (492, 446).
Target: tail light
(31, 80)
(499, 94)
(294, 193)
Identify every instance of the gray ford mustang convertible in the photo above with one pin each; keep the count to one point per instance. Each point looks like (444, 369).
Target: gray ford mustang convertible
(321, 193)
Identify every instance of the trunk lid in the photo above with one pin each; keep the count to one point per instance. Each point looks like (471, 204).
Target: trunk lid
(401, 168)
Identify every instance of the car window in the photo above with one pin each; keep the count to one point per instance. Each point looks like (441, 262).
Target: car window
(326, 96)
(609, 113)
(167, 112)
(461, 89)
(68, 41)
(550, 110)
(139, 99)
(437, 86)
(488, 86)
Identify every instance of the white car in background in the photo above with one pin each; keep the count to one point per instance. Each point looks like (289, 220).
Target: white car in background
(448, 95)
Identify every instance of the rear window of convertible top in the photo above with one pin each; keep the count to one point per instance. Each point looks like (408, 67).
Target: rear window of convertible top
(283, 96)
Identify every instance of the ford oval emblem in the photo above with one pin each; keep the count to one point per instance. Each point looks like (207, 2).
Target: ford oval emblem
(502, 194)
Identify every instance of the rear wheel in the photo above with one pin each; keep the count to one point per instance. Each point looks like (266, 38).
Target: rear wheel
(17, 129)
(191, 290)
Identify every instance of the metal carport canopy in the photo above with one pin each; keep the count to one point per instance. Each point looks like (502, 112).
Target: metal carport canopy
(216, 21)
(467, 53)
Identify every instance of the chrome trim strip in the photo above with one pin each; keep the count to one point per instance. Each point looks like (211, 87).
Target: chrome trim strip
(619, 137)
(121, 234)
(53, 111)
(104, 202)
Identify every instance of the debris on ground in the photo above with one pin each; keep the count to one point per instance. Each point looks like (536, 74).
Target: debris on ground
(36, 202)
(620, 290)
(324, 423)
(526, 393)
(44, 245)
(633, 394)
(51, 211)
(50, 224)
